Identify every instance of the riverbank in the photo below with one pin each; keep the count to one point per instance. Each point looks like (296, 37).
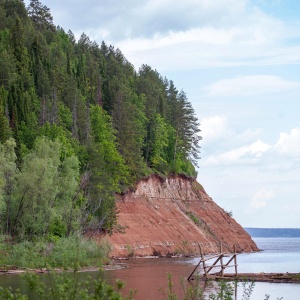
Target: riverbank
(4, 270)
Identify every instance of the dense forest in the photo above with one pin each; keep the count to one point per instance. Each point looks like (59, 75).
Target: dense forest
(79, 124)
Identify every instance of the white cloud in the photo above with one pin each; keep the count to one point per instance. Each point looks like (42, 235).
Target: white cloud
(214, 128)
(206, 48)
(250, 86)
(289, 143)
(224, 146)
(248, 37)
(181, 35)
(249, 154)
(261, 197)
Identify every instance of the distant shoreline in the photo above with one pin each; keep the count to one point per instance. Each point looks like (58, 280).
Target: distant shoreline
(273, 232)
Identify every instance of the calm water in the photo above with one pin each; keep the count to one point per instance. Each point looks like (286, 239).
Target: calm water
(148, 275)
(278, 255)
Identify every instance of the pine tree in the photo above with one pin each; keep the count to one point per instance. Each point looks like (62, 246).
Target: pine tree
(40, 15)
(129, 120)
(107, 173)
(5, 131)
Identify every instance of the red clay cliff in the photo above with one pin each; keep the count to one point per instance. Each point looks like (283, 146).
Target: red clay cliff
(171, 216)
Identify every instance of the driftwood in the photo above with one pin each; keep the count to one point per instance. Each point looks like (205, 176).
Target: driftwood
(257, 277)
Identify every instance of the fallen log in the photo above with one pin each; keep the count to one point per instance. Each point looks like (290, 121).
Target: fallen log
(256, 277)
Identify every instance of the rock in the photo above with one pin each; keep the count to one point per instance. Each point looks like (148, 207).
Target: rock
(171, 216)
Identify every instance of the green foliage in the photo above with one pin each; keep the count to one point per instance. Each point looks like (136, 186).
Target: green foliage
(229, 213)
(248, 288)
(129, 121)
(40, 15)
(67, 286)
(222, 291)
(41, 193)
(107, 171)
(85, 125)
(10, 294)
(5, 131)
(189, 293)
(76, 252)
(196, 220)
(158, 143)
(54, 132)
(8, 173)
(65, 116)
(72, 252)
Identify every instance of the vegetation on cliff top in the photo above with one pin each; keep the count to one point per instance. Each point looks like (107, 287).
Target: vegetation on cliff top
(77, 124)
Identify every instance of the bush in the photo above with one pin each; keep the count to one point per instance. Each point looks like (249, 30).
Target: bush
(66, 286)
(70, 252)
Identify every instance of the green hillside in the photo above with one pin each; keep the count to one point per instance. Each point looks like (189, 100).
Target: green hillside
(78, 124)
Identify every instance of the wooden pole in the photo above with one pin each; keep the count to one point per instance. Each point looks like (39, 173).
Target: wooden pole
(198, 263)
(221, 259)
(203, 261)
(235, 262)
(211, 267)
(204, 268)
(230, 260)
(200, 249)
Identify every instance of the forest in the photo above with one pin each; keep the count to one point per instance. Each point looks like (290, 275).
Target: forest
(79, 124)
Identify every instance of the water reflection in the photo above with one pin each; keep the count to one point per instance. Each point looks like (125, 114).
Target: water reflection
(150, 278)
(147, 276)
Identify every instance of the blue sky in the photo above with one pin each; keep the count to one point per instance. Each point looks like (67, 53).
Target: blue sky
(238, 61)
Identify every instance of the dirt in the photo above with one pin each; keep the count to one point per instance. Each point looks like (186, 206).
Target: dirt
(171, 216)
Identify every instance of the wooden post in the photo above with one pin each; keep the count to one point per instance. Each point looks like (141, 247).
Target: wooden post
(203, 261)
(204, 268)
(235, 261)
(200, 249)
(198, 263)
(221, 259)
(217, 257)
(211, 267)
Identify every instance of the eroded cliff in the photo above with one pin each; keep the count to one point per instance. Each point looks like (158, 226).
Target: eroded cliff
(172, 216)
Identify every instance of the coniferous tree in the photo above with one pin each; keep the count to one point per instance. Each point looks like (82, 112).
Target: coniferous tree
(40, 15)
(106, 172)
(129, 121)
(5, 131)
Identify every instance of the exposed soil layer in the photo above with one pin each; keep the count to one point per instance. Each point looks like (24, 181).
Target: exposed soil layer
(171, 216)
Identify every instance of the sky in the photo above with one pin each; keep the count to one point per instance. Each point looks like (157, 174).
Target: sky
(239, 63)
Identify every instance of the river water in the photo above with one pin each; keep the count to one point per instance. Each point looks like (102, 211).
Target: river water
(149, 276)
(278, 255)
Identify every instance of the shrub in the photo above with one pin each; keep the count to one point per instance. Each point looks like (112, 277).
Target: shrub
(69, 252)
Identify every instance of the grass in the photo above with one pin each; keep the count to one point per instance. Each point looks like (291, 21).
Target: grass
(194, 218)
(70, 252)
